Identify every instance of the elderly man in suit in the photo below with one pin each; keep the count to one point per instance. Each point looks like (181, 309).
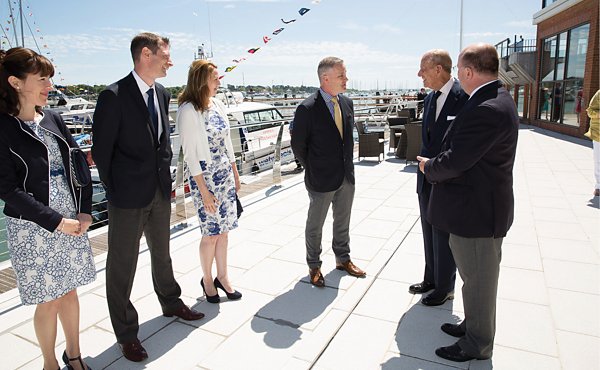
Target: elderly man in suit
(323, 143)
(472, 196)
(132, 151)
(441, 106)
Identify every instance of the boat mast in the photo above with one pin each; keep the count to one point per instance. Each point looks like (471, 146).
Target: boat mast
(21, 17)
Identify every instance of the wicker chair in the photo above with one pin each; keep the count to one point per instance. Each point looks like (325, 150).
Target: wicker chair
(369, 144)
(413, 141)
(396, 132)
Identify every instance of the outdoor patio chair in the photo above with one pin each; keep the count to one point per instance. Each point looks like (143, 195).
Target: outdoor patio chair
(369, 144)
(413, 141)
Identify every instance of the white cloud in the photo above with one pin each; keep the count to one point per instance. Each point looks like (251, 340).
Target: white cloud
(527, 23)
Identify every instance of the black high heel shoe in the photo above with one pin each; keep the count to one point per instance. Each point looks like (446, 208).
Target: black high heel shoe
(210, 298)
(231, 296)
(66, 360)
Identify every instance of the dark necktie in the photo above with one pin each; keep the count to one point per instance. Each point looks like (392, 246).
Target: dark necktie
(152, 111)
(432, 110)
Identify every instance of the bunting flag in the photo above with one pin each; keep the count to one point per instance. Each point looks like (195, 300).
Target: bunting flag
(266, 39)
(28, 22)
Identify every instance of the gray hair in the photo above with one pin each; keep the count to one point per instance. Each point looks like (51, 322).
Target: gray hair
(439, 57)
(326, 64)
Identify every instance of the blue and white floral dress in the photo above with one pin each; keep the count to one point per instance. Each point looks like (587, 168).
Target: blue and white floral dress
(47, 264)
(219, 178)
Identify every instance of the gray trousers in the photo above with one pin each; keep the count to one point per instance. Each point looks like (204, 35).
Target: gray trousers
(478, 262)
(341, 201)
(125, 227)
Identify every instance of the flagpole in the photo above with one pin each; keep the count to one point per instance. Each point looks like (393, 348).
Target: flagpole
(460, 44)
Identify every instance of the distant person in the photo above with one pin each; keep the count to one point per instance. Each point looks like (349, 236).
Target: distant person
(420, 97)
(47, 215)
(441, 106)
(578, 103)
(593, 133)
(472, 196)
(556, 107)
(322, 141)
(132, 151)
(214, 179)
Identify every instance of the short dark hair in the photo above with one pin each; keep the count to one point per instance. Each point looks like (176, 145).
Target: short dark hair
(19, 62)
(483, 58)
(148, 40)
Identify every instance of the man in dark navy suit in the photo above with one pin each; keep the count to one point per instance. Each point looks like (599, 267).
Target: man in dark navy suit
(132, 151)
(322, 141)
(441, 106)
(472, 196)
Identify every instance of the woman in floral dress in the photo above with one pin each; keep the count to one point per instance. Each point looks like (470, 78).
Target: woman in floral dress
(214, 180)
(46, 215)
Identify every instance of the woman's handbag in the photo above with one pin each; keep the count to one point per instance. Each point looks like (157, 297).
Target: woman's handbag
(240, 209)
(80, 171)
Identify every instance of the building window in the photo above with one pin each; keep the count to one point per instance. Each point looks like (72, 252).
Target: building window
(561, 78)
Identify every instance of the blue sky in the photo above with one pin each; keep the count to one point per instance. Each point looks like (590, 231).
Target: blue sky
(381, 41)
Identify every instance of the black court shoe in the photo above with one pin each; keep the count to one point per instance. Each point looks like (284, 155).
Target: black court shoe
(210, 298)
(231, 296)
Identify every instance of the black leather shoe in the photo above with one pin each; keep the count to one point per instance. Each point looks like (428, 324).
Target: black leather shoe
(133, 351)
(453, 353)
(231, 296)
(432, 300)
(453, 330)
(422, 287)
(210, 298)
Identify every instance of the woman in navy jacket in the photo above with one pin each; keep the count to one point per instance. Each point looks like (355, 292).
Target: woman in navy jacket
(47, 215)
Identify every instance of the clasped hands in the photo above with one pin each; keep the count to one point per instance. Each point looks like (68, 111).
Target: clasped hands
(75, 227)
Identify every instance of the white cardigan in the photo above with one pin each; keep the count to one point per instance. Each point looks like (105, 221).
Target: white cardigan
(192, 131)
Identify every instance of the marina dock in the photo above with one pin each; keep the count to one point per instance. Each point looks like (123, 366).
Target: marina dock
(548, 298)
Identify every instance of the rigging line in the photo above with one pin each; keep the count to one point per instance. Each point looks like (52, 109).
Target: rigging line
(14, 27)
(33, 37)
(6, 36)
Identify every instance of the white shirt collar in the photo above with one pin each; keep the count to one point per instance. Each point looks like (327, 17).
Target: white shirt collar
(141, 84)
(447, 86)
(477, 89)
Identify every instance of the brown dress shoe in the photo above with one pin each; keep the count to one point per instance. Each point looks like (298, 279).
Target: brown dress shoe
(351, 269)
(133, 351)
(184, 312)
(316, 278)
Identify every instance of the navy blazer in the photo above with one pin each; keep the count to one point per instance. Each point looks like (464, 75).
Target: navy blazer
(317, 144)
(432, 136)
(25, 170)
(472, 195)
(130, 161)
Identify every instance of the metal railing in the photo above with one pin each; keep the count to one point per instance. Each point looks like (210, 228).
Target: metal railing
(505, 48)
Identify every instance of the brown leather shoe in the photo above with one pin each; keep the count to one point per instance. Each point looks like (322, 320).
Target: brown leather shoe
(351, 269)
(316, 277)
(133, 351)
(184, 312)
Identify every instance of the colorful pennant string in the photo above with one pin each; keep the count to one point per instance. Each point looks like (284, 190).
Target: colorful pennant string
(266, 39)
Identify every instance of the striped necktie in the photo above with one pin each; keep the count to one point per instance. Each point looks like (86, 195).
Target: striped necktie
(337, 115)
